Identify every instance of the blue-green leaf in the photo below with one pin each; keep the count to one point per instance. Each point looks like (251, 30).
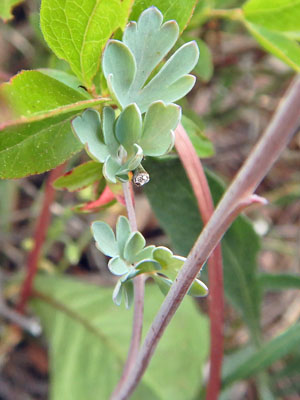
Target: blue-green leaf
(105, 238)
(133, 246)
(160, 121)
(108, 131)
(145, 253)
(87, 128)
(123, 231)
(117, 266)
(129, 127)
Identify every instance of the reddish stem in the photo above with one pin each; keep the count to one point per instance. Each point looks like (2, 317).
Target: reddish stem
(197, 178)
(39, 237)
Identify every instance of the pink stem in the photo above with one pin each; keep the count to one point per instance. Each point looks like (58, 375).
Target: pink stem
(197, 178)
(39, 237)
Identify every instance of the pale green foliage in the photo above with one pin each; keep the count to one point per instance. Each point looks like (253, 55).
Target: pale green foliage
(130, 258)
(89, 340)
(121, 144)
(128, 65)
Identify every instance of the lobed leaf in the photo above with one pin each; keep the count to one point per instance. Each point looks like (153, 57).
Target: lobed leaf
(127, 66)
(135, 243)
(129, 127)
(123, 232)
(117, 266)
(159, 123)
(105, 238)
(87, 128)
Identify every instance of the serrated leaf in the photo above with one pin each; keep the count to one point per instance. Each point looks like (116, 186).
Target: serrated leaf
(203, 146)
(181, 221)
(117, 266)
(129, 127)
(127, 68)
(78, 32)
(6, 7)
(278, 15)
(266, 355)
(67, 79)
(176, 10)
(79, 177)
(123, 231)
(84, 328)
(36, 147)
(135, 243)
(87, 128)
(160, 121)
(105, 238)
(32, 92)
(277, 44)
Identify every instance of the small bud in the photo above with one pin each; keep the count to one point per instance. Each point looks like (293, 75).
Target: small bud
(140, 176)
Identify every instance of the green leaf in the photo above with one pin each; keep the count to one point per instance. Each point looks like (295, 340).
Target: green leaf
(87, 128)
(78, 178)
(123, 232)
(203, 146)
(6, 7)
(266, 355)
(279, 281)
(148, 266)
(35, 147)
(78, 32)
(129, 127)
(32, 92)
(127, 66)
(135, 243)
(276, 43)
(176, 10)
(198, 289)
(204, 68)
(181, 221)
(132, 163)
(67, 79)
(89, 338)
(277, 15)
(110, 169)
(160, 121)
(105, 238)
(117, 266)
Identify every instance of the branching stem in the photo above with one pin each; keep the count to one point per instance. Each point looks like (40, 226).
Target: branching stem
(240, 192)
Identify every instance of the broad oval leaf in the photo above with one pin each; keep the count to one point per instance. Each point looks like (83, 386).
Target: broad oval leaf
(84, 328)
(105, 238)
(77, 32)
(79, 177)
